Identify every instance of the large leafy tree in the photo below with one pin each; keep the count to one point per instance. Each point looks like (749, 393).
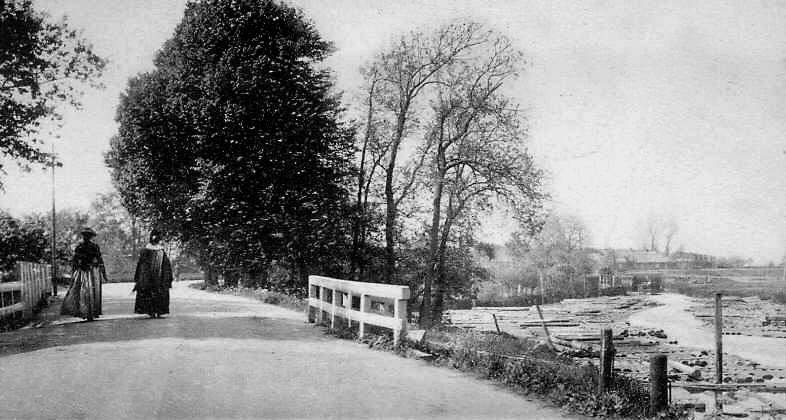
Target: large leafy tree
(233, 145)
(42, 65)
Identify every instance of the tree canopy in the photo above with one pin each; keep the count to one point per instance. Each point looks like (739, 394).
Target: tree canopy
(20, 242)
(233, 143)
(42, 65)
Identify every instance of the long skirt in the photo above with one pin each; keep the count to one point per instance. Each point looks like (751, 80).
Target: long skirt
(152, 301)
(83, 298)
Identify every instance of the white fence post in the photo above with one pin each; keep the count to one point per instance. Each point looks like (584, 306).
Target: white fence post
(341, 295)
(363, 308)
(333, 309)
(400, 312)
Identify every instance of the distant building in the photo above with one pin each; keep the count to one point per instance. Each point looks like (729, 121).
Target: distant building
(623, 260)
(688, 260)
(639, 269)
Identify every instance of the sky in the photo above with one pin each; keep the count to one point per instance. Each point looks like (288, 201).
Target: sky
(635, 109)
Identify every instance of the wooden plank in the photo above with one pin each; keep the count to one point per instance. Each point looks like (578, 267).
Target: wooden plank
(372, 289)
(358, 316)
(23, 278)
(12, 309)
(11, 286)
(706, 386)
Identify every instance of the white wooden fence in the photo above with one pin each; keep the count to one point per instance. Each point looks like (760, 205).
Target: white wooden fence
(382, 305)
(20, 297)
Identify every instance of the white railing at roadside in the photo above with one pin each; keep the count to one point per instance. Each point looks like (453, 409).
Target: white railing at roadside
(382, 305)
(33, 283)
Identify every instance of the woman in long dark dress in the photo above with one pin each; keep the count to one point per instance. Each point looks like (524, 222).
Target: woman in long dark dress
(153, 279)
(83, 298)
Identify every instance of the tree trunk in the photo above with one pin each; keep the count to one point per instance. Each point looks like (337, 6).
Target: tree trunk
(210, 276)
(358, 230)
(390, 199)
(440, 283)
(230, 278)
(426, 320)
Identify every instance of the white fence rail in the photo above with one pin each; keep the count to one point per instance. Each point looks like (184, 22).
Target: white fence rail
(20, 297)
(382, 305)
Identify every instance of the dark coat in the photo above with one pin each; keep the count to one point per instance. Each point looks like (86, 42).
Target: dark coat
(87, 255)
(153, 271)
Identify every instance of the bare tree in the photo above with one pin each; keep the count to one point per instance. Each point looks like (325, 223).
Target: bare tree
(670, 229)
(404, 74)
(576, 233)
(372, 153)
(659, 229)
(477, 153)
(653, 229)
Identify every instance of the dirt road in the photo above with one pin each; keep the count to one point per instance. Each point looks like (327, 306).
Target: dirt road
(673, 317)
(219, 356)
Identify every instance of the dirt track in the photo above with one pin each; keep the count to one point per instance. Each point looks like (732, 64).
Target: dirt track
(219, 356)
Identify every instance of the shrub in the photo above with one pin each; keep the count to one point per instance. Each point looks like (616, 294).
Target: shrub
(525, 300)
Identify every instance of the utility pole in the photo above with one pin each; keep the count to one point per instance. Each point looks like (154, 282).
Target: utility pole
(53, 245)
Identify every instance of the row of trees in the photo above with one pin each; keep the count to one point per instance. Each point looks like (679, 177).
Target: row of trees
(237, 146)
(552, 263)
(29, 238)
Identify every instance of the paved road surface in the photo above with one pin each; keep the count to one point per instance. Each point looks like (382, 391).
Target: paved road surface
(220, 356)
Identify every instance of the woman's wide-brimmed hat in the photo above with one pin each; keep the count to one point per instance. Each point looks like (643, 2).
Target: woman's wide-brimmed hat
(88, 231)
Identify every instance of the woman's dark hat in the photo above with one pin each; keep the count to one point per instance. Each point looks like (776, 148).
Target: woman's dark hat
(155, 234)
(88, 231)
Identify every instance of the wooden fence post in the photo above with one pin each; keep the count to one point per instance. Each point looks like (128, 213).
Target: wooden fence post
(364, 302)
(400, 312)
(658, 384)
(606, 360)
(312, 294)
(718, 339)
(543, 325)
(333, 303)
(496, 324)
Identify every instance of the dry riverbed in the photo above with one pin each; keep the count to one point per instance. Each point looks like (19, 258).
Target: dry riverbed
(671, 324)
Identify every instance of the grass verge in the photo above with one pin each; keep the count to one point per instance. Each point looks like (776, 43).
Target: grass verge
(527, 367)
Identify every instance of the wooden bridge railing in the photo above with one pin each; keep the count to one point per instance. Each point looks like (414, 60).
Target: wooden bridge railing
(382, 305)
(19, 298)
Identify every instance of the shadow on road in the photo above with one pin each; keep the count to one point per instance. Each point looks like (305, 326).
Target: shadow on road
(190, 319)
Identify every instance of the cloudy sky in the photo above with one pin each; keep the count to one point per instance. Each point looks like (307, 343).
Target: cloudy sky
(660, 108)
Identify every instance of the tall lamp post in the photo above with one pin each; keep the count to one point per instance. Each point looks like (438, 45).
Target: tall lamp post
(54, 258)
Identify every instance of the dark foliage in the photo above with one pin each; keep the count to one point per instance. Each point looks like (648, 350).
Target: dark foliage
(233, 145)
(42, 65)
(20, 242)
